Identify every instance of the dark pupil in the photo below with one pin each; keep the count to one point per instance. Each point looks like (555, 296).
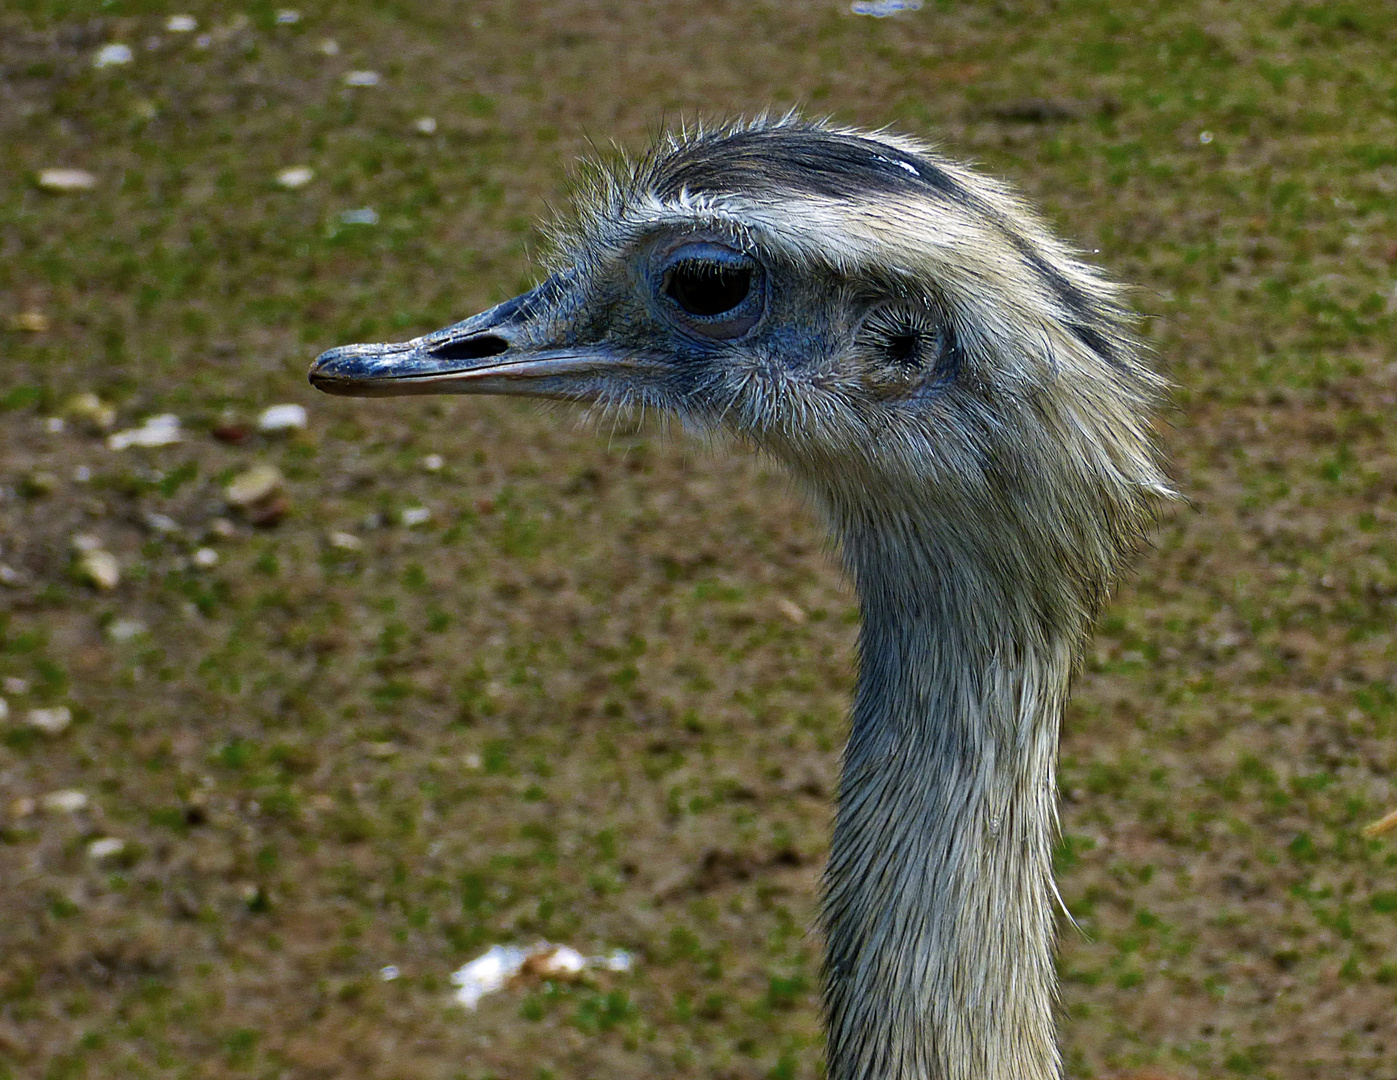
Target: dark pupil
(708, 288)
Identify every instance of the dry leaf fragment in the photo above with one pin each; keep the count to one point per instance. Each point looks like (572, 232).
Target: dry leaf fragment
(1384, 824)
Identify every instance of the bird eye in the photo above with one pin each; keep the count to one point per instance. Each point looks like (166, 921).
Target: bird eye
(717, 287)
(706, 288)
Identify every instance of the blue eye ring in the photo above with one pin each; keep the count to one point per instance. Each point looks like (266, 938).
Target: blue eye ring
(714, 291)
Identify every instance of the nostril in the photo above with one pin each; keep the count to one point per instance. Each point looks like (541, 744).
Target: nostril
(471, 348)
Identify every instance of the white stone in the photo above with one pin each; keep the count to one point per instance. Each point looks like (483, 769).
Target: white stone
(52, 721)
(54, 425)
(364, 216)
(64, 802)
(433, 462)
(159, 430)
(791, 610)
(282, 418)
(287, 16)
(330, 47)
(413, 516)
(13, 684)
(105, 847)
(881, 9)
(206, 557)
(161, 523)
(345, 541)
(112, 55)
(126, 629)
(388, 972)
(66, 180)
(361, 78)
(425, 125)
(181, 24)
(100, 568)
(253, 485)
(298, 176)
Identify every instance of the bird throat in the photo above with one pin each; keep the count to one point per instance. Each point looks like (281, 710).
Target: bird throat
(939, 900)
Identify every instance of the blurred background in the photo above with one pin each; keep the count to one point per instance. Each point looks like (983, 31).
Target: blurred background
(305, 707)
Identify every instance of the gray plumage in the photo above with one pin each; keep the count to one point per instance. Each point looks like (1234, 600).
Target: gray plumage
(963, 398)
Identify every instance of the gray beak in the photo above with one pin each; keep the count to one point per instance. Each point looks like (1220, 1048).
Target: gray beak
(495, 352)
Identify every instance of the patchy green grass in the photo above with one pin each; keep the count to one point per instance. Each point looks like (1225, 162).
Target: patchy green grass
(576, 702)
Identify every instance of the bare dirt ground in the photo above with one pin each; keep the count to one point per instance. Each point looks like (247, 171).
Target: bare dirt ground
(596, 694)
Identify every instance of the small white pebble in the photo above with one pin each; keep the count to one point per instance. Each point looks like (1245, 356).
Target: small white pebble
(364, 216)
(425, 125)
(13, 684)
(616, 960)
(181, 24)
(64, 802)
(159, 430)
(882, 9)
(112, 55)
(296, 177)
(791, 610)
(54, 425)
(433, 462)
(361, 78)
(345, 541)
(126, 629)
(105, 847)
(66, 180)
(100, 568)
(82, 474)
(161, 523)
(287, 16)
(282, 418)
(413, 516)
(471, 761)
(52, 721)
(206, 557)
(330, 47)
(388, 972)
(85, 542)
(253, 485)
(1205, 137)
(10, 576)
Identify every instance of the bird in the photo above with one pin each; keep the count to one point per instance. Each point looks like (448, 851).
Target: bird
(963, 397)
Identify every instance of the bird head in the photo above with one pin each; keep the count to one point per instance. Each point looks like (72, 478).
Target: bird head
(899, 329)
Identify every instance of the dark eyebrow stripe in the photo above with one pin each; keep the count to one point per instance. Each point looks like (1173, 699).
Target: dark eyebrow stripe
(803, 162)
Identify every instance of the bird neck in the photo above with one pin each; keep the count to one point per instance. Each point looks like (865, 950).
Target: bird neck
(939, 896)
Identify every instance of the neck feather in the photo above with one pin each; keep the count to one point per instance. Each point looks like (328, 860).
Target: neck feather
(939, 897)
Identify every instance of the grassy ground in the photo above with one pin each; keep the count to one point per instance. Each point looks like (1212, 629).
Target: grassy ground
(599, 695)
